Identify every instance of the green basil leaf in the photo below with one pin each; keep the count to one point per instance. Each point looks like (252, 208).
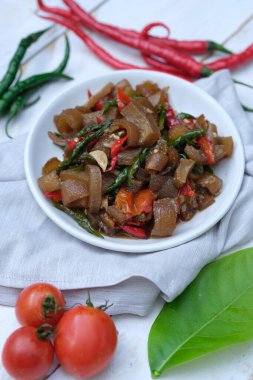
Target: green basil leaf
(214, 312)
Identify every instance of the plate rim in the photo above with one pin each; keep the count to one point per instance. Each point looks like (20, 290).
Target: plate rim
(158, 244)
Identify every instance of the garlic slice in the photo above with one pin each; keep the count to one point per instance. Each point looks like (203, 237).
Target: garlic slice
(101, 158)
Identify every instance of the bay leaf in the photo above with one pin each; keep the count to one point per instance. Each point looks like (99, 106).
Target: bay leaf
(215, 311)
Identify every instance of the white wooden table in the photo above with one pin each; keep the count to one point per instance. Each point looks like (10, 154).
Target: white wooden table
(228, 21)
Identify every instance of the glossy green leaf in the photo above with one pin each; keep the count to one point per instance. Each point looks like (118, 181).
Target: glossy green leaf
(214, 312)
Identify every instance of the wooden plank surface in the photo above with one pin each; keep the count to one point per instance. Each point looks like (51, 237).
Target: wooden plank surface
(223, 20)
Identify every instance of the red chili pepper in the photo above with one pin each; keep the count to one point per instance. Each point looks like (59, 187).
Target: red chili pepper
(91, 44)
(176, 58)
(186, 190)
(171, 118)
(134, 223)
(113, 164)
(134, 231)
(115, 149)
(99, 120)
(159, 46)
(55, 195)
(192, 47)
(208, 150)
(233, 60)
(122, 99)
(162, 65)
(72, 143)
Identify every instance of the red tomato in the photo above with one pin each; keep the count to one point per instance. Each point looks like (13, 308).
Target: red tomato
(124, 201)
(144, 201)
(39, 303)
(85, 341)
(25, 356)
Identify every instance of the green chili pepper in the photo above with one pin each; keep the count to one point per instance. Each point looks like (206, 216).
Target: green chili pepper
(183, 115)
(187, 137)
(80, 218)
(82, 144)
(34, 81)
(17, 107)
(94, 127)
(17, 58)
(30, 104)
(137, 163)
(122, 177)
(162, 117)
(183, 155)
(208, 168)
(111, 103)
(63, 63)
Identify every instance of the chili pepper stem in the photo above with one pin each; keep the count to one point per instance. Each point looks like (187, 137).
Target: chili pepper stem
(214, 46)
(247, 109)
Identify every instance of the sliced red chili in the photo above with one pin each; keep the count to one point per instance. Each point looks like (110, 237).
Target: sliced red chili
(113, 164)
(54, 195)
(115, 149)
(171, 118)
(99, 120)
(122, 99)
(186, 190)
(72, 143)
(138, 232)
(208, 149)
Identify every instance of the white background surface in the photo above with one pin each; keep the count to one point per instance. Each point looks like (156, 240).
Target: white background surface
(221, 20)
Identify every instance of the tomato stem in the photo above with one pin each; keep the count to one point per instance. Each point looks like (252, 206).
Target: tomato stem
(88, 300)
(45, 331)
(50, 306)
(105, 306)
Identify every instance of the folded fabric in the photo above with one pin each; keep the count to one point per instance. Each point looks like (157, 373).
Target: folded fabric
(33, 249)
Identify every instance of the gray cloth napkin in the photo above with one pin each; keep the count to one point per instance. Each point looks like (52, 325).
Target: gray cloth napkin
(33, 249)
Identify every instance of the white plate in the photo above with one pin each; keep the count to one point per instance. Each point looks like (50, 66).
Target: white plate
(185, 97)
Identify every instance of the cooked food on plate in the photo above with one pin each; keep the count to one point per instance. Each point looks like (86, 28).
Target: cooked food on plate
(132, 165)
